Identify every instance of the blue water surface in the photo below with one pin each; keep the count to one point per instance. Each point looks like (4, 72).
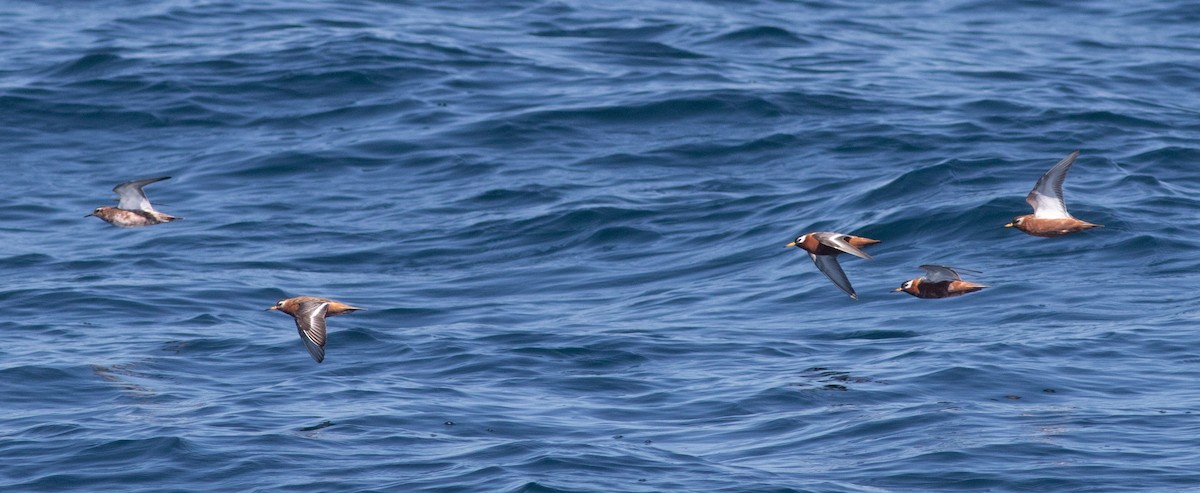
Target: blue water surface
(567, 221)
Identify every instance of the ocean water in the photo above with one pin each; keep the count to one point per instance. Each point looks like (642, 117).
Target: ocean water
(567, 221)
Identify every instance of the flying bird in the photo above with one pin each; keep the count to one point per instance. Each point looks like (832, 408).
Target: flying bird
(1050, 217)
(939, 281)
(133, 208)
(824, 247)
(310, 313)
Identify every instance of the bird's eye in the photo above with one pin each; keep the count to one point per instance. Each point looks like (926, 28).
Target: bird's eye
(800, 239)
(907, 284)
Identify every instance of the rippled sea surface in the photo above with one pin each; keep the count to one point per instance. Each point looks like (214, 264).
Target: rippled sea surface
(567, 221)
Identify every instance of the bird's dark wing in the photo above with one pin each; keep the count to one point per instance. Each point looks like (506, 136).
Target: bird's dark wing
(310, 321)
(830, 267)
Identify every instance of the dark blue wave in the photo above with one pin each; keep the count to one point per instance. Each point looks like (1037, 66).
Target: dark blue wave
(567, 222)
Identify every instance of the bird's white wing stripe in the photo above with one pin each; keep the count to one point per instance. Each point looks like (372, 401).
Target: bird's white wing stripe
(836, 240)
(1047, 195)
(131, 196)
